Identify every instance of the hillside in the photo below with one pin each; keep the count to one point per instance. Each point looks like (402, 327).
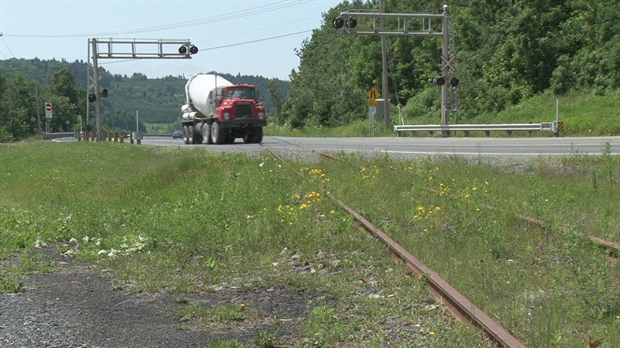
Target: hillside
(157, 99)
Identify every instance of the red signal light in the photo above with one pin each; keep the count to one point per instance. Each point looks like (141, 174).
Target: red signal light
(193, 50)
(454, 82)
(438, 81)
(183, 49)
(92, 97)
(351, 23)
(104, 93)
(338, 23)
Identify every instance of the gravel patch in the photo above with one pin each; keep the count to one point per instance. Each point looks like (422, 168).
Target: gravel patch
(76, 306)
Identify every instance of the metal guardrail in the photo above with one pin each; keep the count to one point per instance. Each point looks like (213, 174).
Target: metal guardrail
(554, 127)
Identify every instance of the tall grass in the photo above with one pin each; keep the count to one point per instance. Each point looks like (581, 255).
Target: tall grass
(185, 220)
(471, 222)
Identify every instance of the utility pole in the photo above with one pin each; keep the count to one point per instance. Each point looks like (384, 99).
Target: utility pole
(36, 92)
(386, 95)
(96, 86)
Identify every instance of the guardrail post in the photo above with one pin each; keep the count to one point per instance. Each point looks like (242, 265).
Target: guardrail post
(466, 133)
(509, 132)
(487, 133)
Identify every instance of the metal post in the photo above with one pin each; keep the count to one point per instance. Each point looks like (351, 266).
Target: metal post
(87, 85)
(386, 96)
(96, 82)
(445, 111)
(36, 90)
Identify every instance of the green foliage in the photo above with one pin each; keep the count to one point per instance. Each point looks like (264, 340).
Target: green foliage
(267, 339)
(508, 52)
(157, 100)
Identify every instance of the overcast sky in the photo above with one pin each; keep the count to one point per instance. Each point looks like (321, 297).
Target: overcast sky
(262, 35)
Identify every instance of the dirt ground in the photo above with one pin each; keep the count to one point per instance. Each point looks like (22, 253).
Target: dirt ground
(76, 306)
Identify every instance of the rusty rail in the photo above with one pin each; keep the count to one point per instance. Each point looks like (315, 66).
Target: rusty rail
(458, 303)
(455, 300)
(612, 249)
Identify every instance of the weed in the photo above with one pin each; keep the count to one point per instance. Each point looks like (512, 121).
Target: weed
(267, 339)
(187, 221)
(218, 343)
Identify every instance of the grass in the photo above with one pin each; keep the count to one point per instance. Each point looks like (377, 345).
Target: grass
(583, 114)
(185, 220)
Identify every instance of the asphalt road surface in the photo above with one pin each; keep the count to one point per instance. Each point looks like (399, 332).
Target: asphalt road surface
(421, 146)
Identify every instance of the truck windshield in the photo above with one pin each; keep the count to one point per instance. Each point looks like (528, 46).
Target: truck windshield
(241, 92)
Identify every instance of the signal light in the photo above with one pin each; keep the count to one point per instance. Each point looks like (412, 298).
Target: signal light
(454, 82)
(92, 97)
(104, 93)
(351, 23)
(183, 49)
(193, 50)
(437, 81)
(338, 23)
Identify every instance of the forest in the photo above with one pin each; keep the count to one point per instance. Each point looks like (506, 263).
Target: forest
(508, 52)
(27, 84)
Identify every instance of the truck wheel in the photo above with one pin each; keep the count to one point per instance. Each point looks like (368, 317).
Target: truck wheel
(206, 133)
(217, 136)
(257, 137)
(185, 136)
(191, 134)
(197, 136)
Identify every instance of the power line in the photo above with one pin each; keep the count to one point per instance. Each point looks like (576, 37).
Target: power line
(208, 20)
(7, 46)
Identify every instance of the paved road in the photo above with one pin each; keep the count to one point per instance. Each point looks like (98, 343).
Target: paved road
(410, 146)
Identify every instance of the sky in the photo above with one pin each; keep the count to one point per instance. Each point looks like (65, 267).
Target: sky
(247, 37)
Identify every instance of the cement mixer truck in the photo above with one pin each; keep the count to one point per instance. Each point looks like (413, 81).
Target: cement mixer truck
(217, 111)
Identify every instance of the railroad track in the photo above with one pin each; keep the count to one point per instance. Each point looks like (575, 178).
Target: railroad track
(462, 307)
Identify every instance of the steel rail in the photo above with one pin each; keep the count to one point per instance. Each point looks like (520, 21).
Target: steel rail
(613, 249)
(458, 303)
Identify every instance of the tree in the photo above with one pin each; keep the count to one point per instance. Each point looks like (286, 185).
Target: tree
(276, 99)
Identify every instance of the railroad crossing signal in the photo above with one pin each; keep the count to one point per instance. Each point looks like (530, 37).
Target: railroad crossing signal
(448, 63)
(440, 81)
(350, 23)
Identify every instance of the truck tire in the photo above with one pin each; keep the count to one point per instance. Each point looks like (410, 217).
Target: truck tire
(197, 136)
(191, 134)
(217, 136)
(185, 136)
(206, 133)
(257, 135)
(254, 135)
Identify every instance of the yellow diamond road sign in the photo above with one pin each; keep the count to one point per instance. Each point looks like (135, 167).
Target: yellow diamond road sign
(374, 93)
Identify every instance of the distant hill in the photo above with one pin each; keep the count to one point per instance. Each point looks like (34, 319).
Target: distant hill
(157, 99)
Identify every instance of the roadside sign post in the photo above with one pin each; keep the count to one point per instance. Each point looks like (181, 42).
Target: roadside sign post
(48, 110)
